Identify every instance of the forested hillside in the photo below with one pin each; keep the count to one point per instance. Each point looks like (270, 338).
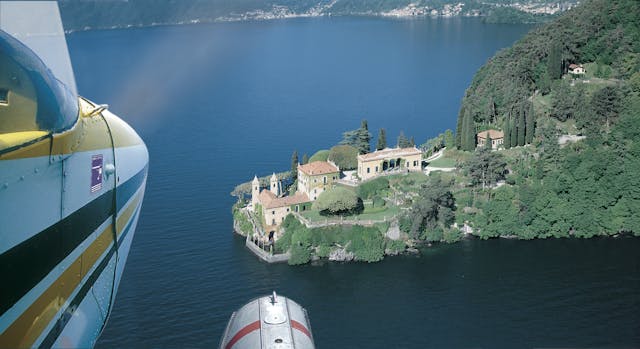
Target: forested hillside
(92, 14)
(579, 175)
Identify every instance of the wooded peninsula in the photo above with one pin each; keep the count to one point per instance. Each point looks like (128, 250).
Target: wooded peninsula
(547, 144)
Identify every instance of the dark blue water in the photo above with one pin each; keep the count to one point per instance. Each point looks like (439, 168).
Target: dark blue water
(219, 103)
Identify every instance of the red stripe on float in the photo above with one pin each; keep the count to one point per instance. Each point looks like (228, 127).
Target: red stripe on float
(300, 327)
(243, 332)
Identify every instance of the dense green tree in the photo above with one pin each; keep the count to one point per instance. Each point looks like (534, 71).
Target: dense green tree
(554, 61)
(433, 209)
(514, 131)
(487, 143)
(344, 156)
(460, 128)
(403, 141)
(294, 165)
(521, 128)
(530, 125)
(507, 133)
(469, 133)
(305, 159)
(485, 168)
(412, 142)
(606, 105)
(491, 110)
(364, 138)
(382, 139)
(338, 201)
(320, 155)
(449, 139)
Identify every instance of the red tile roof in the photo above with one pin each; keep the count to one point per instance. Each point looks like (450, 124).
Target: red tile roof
(318, 168)
(494, 134)
(269, 200)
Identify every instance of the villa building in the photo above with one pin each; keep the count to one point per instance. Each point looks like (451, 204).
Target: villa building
(577, 69)
(316, 177)
(497, 138)
(382, 161)
(313, 179)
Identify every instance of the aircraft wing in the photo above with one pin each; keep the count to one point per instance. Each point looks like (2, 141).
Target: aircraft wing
(38, 25)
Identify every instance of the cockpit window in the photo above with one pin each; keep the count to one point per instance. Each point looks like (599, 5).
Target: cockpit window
(4, 96)
(31, 98)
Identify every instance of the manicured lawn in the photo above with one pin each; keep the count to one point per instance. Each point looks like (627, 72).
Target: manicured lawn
(370, 213)
(443, 162)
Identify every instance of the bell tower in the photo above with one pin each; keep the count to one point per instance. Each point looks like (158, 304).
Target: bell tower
(255, 191)
(275, 186)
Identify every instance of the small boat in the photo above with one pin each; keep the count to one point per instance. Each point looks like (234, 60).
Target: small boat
(270, 321)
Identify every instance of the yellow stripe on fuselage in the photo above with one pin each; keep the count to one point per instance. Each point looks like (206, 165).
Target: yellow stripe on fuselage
(89, 133)
(28, 327)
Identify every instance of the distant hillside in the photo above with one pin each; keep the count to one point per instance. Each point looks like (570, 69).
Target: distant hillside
(91, 14)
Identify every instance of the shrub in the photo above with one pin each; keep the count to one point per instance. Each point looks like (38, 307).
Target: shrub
(320, 155)
(323, 251)
(378, 201)
(369, 189)
(299, 255)
(395, 246)
(452, 235)
(344, 156)
(338, 201)
(367, 244)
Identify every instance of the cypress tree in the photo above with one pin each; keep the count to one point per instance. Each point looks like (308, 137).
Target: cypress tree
(305, 159)
(412, 142)
(294, 165)
(460, 128)
(469, 142)
(507, 132)
(514, 130)
(531, 124)
(487, 143)
(403, 141)
(363, 138)
(554, 62)
(382, 139)
(521, 126)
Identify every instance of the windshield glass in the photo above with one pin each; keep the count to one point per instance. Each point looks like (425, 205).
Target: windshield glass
(31, 98)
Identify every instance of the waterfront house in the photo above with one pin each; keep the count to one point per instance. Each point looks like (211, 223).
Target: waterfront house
(497, 138)
(577, 69)
(315, 177)
(390, 159)
(275, 204)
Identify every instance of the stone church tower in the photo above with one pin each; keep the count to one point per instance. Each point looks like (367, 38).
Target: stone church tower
(255, 191)
(275, 185)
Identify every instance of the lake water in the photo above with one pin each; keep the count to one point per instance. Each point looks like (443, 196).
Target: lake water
(219, 103)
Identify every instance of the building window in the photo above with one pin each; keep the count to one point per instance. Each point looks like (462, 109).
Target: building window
(273, 221)
(315, 180)
(273, 212)
(315, 191)
(415, 163)
(376, 168)
(287, 209)
(368, 169)
(324, 180)
(297, 208)
(4, 96)
(407, 163)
